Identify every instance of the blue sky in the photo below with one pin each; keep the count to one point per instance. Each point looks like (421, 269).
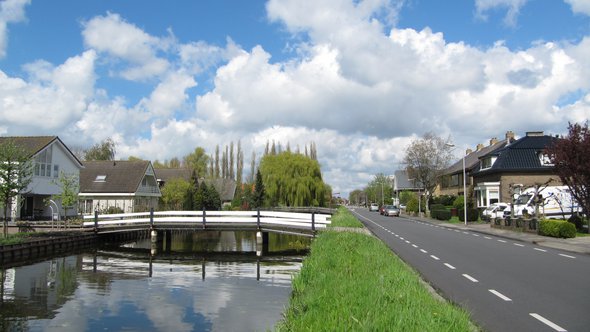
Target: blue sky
(360, 78)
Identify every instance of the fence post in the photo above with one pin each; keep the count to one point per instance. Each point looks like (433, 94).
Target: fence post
(258, 218)
(204, 217)
(313, 222)
(151, 217)
(95, 221)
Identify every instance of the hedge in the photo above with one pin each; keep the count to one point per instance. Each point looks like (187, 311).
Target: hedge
(472, 214)
(557, 228)
(442, 214)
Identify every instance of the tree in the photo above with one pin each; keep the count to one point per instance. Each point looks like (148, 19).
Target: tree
(293, 180)
(197, 161)
(16, 170)
(69, 185)
(425, 160)
(174, 193)
(356, 196)
(571, 157)
(259, 191)
(104, 150)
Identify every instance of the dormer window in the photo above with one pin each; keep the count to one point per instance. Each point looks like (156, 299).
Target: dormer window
(545, 159)
(487, 162)
(100, 178)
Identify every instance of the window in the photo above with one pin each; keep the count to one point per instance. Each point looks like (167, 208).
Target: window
(454, 180)
(100, 178)
(43, 162)
(55, 170)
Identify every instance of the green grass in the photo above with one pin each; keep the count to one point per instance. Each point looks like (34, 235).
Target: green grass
(14, 238)
(343, 218)
(353, 282)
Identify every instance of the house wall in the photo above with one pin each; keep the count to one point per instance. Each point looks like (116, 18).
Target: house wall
(129, 204)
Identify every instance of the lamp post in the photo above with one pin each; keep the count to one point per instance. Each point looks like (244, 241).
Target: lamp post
(464, 186)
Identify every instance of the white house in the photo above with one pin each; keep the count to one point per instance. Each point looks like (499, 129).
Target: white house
(50, 157)
(118, 186)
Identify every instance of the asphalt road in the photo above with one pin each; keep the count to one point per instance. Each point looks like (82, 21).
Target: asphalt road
(506, 285)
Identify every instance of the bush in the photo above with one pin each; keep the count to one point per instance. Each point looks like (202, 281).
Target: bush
(472, 214)
(445, 200)
(434, 207)
(412, 205)
(577, 221)
(113, 210)
(557, 228)
(458, 203)
(443, 215)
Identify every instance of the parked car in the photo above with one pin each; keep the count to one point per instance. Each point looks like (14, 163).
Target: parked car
(373, 207)
(391, 210)
(495, 210)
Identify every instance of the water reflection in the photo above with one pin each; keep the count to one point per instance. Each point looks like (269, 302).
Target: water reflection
(191, 287)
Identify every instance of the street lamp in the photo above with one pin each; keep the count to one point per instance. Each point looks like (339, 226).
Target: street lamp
(464, 186)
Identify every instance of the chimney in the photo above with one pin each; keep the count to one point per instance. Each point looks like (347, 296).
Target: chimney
(534, 133)
(493, 141)
(479, 147)
(509, 136)
(468, 151)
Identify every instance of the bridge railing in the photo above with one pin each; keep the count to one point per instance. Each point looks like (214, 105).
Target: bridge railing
(310, 221)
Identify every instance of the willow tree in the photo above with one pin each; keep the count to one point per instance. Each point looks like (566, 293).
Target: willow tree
(293, 180)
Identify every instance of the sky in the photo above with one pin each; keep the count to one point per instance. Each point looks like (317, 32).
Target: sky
(361, 79)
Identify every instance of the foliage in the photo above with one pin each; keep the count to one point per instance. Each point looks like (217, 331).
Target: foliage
(472, 214)
(445, 200)
(426, 158)
(197, 161)
(356, 196)
(259, 192)
(571, 157)
(69, 185)
(113, 210)
(104, 150)
(437, 207)
(16, 170)
(440, 214)
(174, 193)
(292, 180)
(459, 202)
(405, 196)
(334, 292)
(577, 221)
(207, 198)
(557, 228)
(380, 190)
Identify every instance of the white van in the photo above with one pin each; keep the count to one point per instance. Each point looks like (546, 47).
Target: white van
(495, 210)
(556, 203)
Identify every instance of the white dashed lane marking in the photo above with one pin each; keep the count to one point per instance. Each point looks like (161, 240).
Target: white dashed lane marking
(470, 278)
(450, 266)
(548, 322)
(518, 244)
(539, 249)
(424, 251)
(503, 241)
(434, 257)
(567, 256)
(500, 295)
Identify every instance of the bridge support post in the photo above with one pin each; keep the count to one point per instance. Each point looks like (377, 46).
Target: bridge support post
(261, 243)
(168, 241)
(313, 223)
(95, 221)
(204, 218)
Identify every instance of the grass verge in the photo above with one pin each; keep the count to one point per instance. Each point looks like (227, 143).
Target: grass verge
(353, 282)
(343, 218)
(14, 238)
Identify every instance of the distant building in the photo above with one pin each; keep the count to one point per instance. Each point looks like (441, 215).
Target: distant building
(401, 182)
(50, 157)
(126, 186)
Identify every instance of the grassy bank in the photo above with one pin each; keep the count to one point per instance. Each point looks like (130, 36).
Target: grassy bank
(353, 282)
(343, 218)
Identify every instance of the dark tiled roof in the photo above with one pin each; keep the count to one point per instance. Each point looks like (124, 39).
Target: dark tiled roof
(472, 159)
(522, 155)
(225, 187)
(121, 176)
(31, 144)
(165, 174)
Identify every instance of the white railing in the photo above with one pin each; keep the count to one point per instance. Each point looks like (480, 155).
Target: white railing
(305, 221)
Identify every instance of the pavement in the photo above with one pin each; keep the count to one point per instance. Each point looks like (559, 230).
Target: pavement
(579, 244)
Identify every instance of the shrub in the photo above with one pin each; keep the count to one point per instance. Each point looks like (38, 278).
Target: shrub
(458, 203)
(472, 214)
(577, 221)
(412, 205)
(443, 215)
(434, 207)
(445, 200)
(557, 228)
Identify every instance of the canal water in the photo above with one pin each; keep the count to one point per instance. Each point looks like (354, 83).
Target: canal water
(214, 281)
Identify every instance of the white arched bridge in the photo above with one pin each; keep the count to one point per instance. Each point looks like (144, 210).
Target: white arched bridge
(298, 223)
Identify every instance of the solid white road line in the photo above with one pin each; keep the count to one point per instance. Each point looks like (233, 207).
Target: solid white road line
(500, 295)
(567, 256)
(539, 249)
(548, 322)
(470, 278)
(450, 266)
(434, 257)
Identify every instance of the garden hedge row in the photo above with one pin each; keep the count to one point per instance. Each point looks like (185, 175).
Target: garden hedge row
(441, 214)
(557, 228)
(472, 214)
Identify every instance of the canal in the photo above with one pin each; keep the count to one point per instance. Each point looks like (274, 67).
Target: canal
(200, 281)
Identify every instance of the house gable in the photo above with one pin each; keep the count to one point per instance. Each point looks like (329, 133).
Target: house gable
(118, 178)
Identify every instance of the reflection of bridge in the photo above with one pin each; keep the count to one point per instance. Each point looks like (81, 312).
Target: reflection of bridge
(297, 223)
